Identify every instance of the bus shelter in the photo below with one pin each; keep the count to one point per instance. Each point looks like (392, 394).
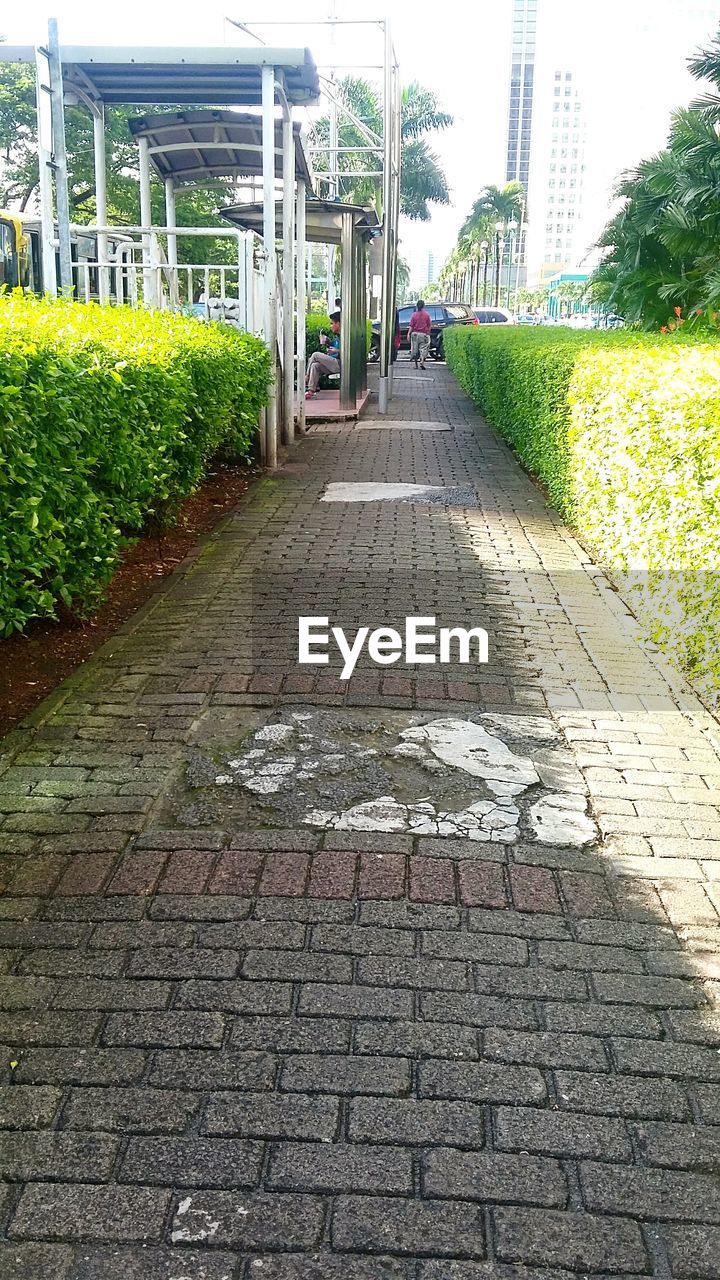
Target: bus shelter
(275, 80)
(349, 227)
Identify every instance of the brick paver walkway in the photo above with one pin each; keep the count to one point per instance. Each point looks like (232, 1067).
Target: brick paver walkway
(246, 1033)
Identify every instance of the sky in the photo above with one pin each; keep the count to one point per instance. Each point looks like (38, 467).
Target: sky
(631, 55)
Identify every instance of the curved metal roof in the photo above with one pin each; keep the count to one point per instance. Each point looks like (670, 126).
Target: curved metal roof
(202, 146)
(218, 77)
(323, 217)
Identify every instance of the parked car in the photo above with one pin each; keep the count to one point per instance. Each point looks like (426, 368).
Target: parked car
(529, 317)
(493, 315)
(441, 315)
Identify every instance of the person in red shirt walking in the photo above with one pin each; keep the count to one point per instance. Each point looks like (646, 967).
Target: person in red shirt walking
(419, 334)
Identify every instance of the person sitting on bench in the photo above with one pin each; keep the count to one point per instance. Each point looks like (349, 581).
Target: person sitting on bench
(326, 361)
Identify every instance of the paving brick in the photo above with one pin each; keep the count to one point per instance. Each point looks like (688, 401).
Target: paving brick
(533, 889)
(479, 1011)
(481, 1082)
(408, 915)
(381, 875)
(614, 1095)
(252, 1221)
(332, 875)
(362, 942)
(25, 993)
(273, 1115)
(184, 962)
(561, 1134)
(130, 1110)
(660, 992)
(49, 1261)
(306, 910)
(353, 1001)
(311, 1073)
(482, 884)
(205, 1069)
(64, 1211)
(81, 1066)
(235, 997)
(29, 1106)
(297, 967)
(101, 993)
(443, 975)
(601, 1019)
(432, 880)
(86, 873)
(626, 934)
(192, 1162)
(285, 874)
(578, 955)
(138, 873)
(586, 894)
(517, 924)
(237, 872)
(207, 907)
(149, 1263)
(542, 1237)
(405, 1226)
(492, 1177)
(647, 1057)
(332, 1266)
(483, 947)
(254, 934)
(336, 1167)
(416, 1123)
(693, 1251)
(140, 934)
(48, 1028)
(680, 1146)
(651, 1193)
(426, 1039)
(291, 1034)
(529, 982)
(701, 1026)
(65, 963)
(545, 1049)
(25, 1157)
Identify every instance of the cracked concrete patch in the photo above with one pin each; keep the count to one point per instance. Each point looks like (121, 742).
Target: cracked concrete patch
(361, 491)
(400, 425)
(494, 778)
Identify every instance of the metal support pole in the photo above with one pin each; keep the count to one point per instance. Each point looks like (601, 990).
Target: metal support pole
(386, 327)
(146, 221)
(172, 244)
(288, 144)
(98, 115)
(270, 318)
(44, 130)
(301, 300)
(62, 200)
(347, 394)
(397, 151)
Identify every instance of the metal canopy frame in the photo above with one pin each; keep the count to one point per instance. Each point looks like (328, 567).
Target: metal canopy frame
(271, 78)
(198, 147)
(350, 227)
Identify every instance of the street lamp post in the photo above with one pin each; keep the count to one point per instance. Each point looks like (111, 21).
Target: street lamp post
(512, 227)
(486, 262)
(499, 254)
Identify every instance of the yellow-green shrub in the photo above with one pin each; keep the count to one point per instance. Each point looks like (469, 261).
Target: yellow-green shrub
(623, 429)
(107, 416)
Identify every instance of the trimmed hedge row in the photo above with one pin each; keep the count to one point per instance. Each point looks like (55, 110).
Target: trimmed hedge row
(623, 429)
(107, 417)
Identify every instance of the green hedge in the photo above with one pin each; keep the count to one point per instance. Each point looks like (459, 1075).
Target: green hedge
(623, 429)
(107, 416)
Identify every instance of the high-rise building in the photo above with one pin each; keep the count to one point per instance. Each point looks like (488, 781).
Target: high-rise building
(431, 269)
(520, 111)
(522, 76)
(559, 178)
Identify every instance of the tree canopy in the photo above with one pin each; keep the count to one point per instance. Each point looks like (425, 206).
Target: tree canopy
(662, 248)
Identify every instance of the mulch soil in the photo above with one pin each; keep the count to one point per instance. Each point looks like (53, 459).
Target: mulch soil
(34, 663)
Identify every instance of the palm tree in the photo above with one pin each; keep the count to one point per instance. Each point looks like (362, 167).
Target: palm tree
(491, 215)
(422, 180)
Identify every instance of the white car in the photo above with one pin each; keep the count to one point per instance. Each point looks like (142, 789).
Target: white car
(493, 315)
